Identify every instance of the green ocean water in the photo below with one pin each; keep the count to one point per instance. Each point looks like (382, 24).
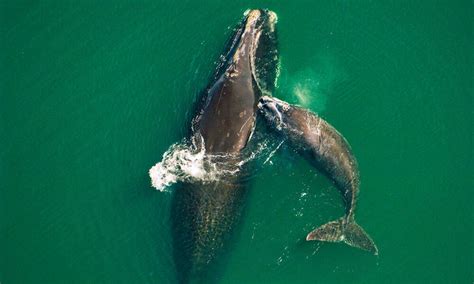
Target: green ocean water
(92, 93)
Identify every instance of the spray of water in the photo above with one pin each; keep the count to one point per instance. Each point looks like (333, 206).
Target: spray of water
(187, 162)
(312, 85)
(180, 162)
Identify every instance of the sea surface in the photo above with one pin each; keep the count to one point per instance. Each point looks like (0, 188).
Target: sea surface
(92, 93)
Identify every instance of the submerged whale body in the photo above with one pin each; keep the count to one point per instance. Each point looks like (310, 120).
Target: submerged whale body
(327, 149)
(204, 214)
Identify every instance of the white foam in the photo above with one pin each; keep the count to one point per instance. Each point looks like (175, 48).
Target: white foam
(272, 153)
(180, 163)
(185, 162)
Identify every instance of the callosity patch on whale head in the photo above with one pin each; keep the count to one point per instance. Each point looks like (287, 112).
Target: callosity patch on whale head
(265, 67)
(258, 41)
(273, 106)
(247, 35)
(273, 109)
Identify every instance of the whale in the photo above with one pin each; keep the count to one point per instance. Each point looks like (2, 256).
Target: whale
(204, 215)
(328, 150)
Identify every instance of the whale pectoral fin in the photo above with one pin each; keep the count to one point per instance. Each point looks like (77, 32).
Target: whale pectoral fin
(340, 230)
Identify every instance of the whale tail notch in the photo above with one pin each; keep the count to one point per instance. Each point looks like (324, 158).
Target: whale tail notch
(342, 230)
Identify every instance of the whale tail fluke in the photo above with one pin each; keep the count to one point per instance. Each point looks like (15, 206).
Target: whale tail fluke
(342, 230)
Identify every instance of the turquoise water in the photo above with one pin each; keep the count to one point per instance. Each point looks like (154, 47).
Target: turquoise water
(92, 94)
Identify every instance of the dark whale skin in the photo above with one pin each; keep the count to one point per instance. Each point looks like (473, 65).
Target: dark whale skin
(204, 215)
(325, 148)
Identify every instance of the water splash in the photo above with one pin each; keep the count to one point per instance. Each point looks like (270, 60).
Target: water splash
(272, 153)
(307, 90)
(186, 161)
(180, 162)
(311, 86)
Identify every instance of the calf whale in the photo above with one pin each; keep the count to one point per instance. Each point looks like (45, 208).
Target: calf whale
(324, 146)
(205, 213)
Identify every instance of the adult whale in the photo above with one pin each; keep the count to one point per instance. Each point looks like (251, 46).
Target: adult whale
(203, 215)
(324, 146)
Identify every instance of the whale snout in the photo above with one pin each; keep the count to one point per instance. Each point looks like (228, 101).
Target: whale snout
(271, 108)
(259, 34)
(253, 14)
(260, 19)
(256, 13)
(265, 100)
(266, 104)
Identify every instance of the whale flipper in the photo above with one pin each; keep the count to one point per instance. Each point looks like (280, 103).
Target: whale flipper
(341, 230)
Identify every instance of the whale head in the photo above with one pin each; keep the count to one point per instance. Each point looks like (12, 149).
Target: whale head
(254, 49)
(266, 60)
(274, 110)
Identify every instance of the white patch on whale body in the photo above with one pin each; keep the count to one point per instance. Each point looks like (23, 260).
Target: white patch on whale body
(273, 18)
